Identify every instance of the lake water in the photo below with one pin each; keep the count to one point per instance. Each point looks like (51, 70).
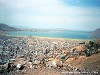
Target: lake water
(55, 34)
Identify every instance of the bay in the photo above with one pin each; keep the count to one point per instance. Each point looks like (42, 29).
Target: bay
(54, 34)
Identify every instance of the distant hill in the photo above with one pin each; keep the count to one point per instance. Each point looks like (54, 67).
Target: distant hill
(96, 33)
(5, 27)
(97, 30)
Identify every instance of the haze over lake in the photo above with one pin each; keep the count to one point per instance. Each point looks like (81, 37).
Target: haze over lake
(54, 34)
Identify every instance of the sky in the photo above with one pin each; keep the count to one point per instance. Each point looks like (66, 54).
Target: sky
(67, 14)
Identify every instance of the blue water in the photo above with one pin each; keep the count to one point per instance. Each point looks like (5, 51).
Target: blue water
(55, 34)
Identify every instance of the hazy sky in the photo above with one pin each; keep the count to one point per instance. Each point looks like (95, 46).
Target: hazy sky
(68, 14)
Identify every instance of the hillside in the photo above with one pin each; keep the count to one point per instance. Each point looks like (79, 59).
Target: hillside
(92, 63)
(4, 27)
(97, 30)
(96, 33)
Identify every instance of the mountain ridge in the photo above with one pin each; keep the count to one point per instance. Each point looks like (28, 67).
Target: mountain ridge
(5, 27)
(96, 33)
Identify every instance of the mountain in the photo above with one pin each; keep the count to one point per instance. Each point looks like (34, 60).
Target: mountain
(96, 33)
(97, 30)
(5, 27)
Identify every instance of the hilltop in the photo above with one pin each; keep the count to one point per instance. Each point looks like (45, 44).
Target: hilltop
(5, 27)
(96, 33)
(97, 30)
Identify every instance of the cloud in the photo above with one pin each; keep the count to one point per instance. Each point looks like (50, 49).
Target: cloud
(47, 12)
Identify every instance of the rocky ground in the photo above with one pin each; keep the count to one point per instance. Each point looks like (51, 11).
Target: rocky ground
(42, 56)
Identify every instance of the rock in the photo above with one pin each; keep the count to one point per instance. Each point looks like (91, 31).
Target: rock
(59, 64)
(51, 64)
(28, 65)
(18, 66)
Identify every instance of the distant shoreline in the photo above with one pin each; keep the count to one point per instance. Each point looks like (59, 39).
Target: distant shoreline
(51, 37)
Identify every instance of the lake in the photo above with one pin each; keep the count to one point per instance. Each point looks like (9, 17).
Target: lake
(54, 34)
